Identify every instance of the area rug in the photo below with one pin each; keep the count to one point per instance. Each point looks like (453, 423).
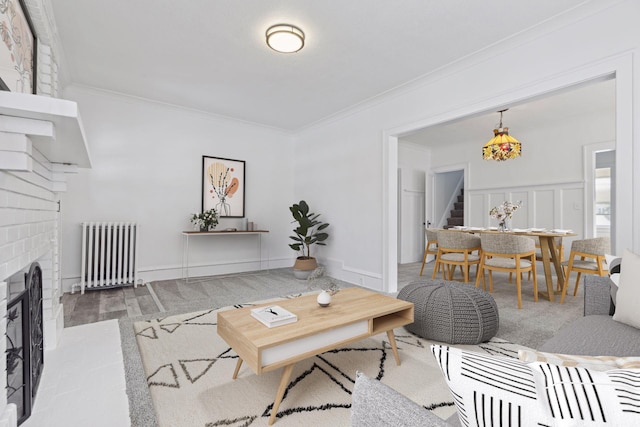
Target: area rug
(189, 367)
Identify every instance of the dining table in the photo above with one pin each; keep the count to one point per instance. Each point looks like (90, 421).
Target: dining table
(548, 249)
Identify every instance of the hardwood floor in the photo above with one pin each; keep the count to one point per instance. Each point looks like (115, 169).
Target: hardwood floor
(106, 304)
(117, 303)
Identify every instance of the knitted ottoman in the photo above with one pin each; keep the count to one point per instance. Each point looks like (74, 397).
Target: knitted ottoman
(451, 312)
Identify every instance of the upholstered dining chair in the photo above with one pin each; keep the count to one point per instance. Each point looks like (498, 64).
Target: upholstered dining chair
(431, 248)
(456, 248)
(591, 260)
(508, 253)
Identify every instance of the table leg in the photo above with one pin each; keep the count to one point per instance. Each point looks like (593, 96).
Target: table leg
(394, 347)
(555, 258)
(284, 380)
(185, 257)
(546, 263)
(238, 364)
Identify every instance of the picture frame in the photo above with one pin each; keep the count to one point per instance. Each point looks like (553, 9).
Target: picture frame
(223, 186)
(17, 49)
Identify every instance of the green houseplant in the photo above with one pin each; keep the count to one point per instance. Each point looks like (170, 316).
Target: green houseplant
(206, 220)
(309, 231)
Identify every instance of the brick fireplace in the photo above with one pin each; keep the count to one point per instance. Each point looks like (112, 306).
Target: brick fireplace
(41, 141)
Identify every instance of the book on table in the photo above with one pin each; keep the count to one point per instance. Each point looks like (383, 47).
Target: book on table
(273, 315)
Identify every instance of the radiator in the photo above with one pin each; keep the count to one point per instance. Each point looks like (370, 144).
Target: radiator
(109, 255)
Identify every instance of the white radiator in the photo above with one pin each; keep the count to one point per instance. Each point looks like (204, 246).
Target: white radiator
(109, 254)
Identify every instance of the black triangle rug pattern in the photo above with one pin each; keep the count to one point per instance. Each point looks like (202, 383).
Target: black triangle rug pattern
(183, 354)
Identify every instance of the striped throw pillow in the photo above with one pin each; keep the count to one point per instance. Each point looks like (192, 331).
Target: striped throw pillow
(493, 391)
(594, 363)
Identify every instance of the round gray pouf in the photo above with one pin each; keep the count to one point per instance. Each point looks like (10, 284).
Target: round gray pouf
(451, 312)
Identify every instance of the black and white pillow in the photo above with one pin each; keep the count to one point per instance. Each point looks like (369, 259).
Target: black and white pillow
(614, 264)
(489, 390)
(628, 291)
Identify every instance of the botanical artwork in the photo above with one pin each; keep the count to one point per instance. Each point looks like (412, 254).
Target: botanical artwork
(223, 186)
(17, 53)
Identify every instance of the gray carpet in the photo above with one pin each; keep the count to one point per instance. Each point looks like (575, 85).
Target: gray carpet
(530, 327)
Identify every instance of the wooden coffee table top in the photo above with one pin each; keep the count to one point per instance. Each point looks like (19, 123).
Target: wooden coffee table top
(248, 337)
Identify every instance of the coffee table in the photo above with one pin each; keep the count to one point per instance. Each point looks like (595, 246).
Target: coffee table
(354, 314)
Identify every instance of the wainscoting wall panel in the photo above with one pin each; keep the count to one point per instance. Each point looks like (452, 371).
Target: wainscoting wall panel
(549, 206)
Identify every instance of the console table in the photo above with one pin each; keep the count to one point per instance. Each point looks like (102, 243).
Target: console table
(186, 235)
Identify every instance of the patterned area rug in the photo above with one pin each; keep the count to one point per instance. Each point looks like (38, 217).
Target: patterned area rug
(189, 368)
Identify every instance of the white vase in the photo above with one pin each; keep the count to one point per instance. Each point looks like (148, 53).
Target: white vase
(324, 299)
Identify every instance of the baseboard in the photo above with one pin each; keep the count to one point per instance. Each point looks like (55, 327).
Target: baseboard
(367, 279)
(334, 268)
(148, 274)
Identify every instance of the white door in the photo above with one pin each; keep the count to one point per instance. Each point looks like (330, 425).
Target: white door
(411, 221)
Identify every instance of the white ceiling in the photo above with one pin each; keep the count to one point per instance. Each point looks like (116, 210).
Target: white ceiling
(592, 97)
(211, 55)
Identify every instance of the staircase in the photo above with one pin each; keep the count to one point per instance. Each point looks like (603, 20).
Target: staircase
(456, 216)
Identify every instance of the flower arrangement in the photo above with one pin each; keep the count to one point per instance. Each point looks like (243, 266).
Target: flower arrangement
(504, 211)
(206, 220)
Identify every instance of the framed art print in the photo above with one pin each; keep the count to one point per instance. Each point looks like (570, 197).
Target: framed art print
(223, 186)
(18, 48)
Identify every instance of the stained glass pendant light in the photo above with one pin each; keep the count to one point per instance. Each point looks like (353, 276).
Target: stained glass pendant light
(502, 146)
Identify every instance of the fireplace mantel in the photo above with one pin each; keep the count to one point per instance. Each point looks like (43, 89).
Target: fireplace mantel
(53, 126)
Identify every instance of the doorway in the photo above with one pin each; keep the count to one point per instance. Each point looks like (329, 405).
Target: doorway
(604, 195)
(618, 68)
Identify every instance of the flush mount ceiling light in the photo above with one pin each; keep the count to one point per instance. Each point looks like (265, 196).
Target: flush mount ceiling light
(285, 38)
(502, 146)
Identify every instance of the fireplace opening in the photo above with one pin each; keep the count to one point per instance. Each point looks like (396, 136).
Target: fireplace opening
(25, 345)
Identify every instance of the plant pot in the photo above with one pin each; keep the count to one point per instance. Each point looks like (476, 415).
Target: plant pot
(303, 267)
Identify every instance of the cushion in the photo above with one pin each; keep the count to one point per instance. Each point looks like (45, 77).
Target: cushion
(628, 296)
(595, 363)
(613, 264)
(459, 257)
(490, 390)
(506, 262)
(595, 335)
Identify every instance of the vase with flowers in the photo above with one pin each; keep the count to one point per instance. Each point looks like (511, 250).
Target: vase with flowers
(205, 221)
(503, 213)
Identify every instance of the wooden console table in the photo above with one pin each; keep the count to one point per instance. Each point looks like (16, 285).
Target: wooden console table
(186, 235)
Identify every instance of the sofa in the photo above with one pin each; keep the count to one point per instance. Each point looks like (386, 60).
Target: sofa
(595, 334)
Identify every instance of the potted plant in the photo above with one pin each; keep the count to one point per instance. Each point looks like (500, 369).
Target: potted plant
(308, 232)
(206, 220)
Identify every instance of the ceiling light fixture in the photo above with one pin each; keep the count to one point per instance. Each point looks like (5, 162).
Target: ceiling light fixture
(502, 146)
(285, 38)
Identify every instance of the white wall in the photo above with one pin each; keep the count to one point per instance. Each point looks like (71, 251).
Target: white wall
(356, 144)
(147, 168)
(552, 152)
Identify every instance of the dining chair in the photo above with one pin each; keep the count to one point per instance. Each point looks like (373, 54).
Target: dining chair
(508, 253)
(431, 248)
(455, 249)
(591, 260)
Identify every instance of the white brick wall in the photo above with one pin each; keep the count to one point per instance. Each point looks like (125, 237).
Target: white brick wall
(29, 222)
(41, 15)
(29, 218)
